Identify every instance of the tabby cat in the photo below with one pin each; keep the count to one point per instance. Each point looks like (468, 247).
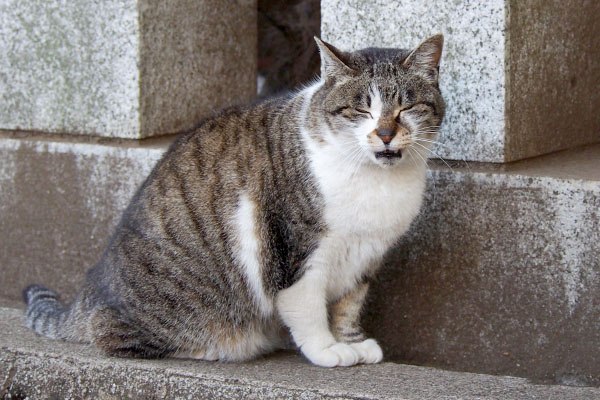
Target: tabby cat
(267, 219)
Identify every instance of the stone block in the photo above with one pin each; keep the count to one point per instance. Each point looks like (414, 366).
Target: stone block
(500, 273)
(123, 68)
(520, 77)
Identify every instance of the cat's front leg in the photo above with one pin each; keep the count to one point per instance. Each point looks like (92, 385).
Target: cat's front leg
(345, 322)
(303, 308)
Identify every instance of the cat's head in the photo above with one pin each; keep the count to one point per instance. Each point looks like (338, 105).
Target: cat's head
(382, 106)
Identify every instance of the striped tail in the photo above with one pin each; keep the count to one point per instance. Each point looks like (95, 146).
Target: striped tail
(45, 314)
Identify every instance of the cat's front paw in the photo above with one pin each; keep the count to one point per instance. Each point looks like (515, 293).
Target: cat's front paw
(368, 351)
(336, 355)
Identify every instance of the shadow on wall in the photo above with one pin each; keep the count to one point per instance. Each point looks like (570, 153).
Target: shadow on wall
(287, 53)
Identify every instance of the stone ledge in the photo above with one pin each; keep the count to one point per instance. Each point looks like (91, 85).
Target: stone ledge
(59, 201)
(36, 367)
(500, 273)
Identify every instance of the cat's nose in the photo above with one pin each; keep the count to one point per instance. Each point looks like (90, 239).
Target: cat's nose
(386, 135)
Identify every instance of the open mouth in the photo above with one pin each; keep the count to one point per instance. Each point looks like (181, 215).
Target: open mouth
(389, 154)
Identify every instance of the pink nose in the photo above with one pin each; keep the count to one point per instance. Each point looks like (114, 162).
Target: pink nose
(386, 135)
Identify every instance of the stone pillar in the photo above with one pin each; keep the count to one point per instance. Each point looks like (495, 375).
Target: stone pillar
(520, 78)
(80, 74)
(123, 68)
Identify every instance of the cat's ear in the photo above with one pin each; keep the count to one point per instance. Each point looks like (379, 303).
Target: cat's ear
(425, 59)
(333, 62)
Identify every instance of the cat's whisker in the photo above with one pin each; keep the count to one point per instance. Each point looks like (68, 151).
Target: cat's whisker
(435, 142)
(353, 158)
(412, 157)
(423, 159)
(435, 154)
(421, 156)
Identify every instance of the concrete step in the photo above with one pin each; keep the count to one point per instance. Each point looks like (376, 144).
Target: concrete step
(500, 274)
(33, 367)
(60, 198)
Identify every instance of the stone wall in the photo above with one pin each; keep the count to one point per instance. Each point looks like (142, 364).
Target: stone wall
(123, 68)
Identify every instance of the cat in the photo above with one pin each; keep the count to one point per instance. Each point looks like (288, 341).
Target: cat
(267, 220)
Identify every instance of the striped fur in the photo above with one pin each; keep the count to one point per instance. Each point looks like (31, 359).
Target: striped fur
(260, 217)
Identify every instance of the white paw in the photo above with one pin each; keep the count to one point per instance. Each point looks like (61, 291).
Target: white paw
(336, 355)
(368, 351)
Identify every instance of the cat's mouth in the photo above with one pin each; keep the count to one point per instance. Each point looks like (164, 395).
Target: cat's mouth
(389, 154)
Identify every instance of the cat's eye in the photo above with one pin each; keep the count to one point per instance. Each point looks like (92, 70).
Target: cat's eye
(351, 112)
(364, 112)
(420, 108)
(339, 110)
(403, 108)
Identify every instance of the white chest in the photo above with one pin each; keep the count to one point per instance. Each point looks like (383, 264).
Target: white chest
(366, 211)
(371, 201)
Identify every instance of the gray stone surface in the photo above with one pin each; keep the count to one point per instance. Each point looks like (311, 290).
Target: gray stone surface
(123, 68)
(42, 368)
(519, 78)
(500, 273)
(554, 75)
(59, 201)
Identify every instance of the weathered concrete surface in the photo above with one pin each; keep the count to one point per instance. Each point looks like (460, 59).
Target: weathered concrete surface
(59, 201)
(123, 68)
(519, 78)
(553, 70)
(500, 273)
(35, 367)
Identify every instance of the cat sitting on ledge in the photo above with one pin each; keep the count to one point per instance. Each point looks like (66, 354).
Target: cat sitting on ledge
(265, 221)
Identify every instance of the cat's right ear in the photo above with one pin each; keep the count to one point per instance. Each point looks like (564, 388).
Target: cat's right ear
(425, 59)
(333, 63)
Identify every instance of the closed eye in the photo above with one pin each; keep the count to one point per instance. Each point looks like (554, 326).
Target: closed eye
(364, 112)
(339, 110)
(418, 107)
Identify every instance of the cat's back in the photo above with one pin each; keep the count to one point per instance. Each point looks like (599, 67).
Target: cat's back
(240, 140)
(187, 215)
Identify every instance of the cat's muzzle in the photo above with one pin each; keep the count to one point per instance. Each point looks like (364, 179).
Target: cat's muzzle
(389, 154)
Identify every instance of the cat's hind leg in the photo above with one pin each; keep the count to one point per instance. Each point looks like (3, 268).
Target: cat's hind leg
(345, 322)
(116, 335)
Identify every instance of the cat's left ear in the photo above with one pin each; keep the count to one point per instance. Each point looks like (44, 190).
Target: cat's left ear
(333, 62)
(425, 59)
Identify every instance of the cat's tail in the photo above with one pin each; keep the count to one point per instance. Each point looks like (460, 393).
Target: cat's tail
(45, 314)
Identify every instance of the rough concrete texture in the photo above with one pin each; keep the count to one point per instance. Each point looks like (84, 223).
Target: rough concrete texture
(554, 74)
(59, 201)
(123, 68)
(500, 273)
(519, 78)
(35, 367)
